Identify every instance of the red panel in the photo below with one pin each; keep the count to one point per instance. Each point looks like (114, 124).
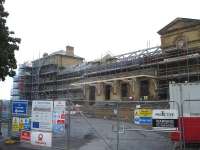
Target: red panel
(25, 136)
(191, 127)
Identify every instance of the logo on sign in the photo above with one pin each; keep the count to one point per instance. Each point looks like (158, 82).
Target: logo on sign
(40, 139)
(164, 114)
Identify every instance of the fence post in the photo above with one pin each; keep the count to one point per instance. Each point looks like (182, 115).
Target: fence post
(10, 120)
(182, 127)
(1, 118)
(117, 126)
(68, 126)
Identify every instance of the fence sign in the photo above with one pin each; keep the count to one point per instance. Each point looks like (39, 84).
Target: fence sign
(59, 117)
(41, 138)
(59, 105)
(19, 107)
(143, 116)
(165, 119)
(4, 129)
(24, 124)
(15, 124)
(25, 136)
(42, 112)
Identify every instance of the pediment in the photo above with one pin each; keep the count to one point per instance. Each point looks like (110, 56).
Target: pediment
(177, 24)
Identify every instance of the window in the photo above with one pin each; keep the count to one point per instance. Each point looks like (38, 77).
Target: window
(124, 90)
(107, 92)
(144, 88)
(92, 94)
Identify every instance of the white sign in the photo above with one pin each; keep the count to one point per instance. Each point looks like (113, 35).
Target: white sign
(41, 138)
(165, 114)
(42, 112)
(165, 119)
(59, 105)
(59, 117)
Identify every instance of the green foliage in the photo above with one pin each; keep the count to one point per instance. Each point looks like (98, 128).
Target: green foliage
(8, 45)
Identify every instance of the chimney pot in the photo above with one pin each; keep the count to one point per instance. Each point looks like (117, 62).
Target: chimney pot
(70, 50)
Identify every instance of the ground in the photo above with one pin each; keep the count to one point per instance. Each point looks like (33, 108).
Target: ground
(85, 137)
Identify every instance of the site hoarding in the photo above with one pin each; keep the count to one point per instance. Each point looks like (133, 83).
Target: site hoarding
(187, 95)
(165, 119)
(42, 112)
(19, 107)
(59, 117)
(41, 138)
(143, 116)
(25, 136)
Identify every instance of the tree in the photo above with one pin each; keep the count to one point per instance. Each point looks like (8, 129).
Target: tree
(8, 46)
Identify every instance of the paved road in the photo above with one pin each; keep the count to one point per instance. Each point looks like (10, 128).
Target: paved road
(84, 137)
(132, 140)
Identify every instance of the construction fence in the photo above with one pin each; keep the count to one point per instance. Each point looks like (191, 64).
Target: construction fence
(106, 125)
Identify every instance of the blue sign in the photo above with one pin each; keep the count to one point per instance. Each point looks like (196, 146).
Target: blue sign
(59, 128)
(58, 122)
(35, 124)
(27, 123)
(19, 107)
(143, 120)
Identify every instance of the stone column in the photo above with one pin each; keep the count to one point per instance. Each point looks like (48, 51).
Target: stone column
(135, 88)
(153, 89)
(115, 94)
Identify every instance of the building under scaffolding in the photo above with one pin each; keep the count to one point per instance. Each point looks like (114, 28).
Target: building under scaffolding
(138, 75)
(44, 79)
(22, 83)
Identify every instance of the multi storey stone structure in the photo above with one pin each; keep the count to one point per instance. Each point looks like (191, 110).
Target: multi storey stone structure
(139, 75)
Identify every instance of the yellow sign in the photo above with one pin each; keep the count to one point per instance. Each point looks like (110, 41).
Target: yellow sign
(21, 123)
(15, 124)
(143, 112)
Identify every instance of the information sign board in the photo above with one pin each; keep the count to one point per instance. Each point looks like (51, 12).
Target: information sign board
(59, 117)
(165, 119)
(19, 107)
(15, 124)
(42, 112)
(24, 124)
(41, 138)
(143, 116)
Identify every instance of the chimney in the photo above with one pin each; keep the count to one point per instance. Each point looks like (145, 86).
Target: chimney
(70, 50)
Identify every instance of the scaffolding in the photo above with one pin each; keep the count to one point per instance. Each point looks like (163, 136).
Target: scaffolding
(44, 79)
(22, 83)
(174, 64)
(48, 80)
(127, 62)
(179, 65)
(51, 79)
